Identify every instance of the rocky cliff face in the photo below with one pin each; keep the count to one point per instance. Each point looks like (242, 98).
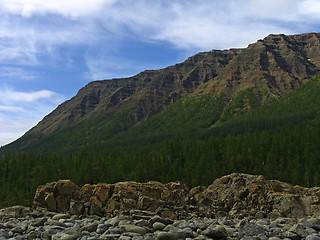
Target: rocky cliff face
(271, 67)
(235, 195)
(144, 94)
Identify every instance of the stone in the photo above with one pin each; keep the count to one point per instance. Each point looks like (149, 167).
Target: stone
(299, 229)
(196, 190)
(110, 236)
(101, 228)
(220, 229)
(165, 221)
(312, 237)
(101, 194)
(141, 223)
(32, 235)
(60, 216)
(133, 229)
(38, 222)
(76, 207)
(230, 231)
(167, 236)
(66, 235)
(158, 226)
(137, 238)
(292, 235)
(17, 230)
(185, 233)
(66, 188)
(211, 233)
(41, 192)
(170, 228)
(86, 192)
(253, 229)
(51, 202)
(167, 213)
(125, 237)
(55, 223)
(90, 227)
(274, 215)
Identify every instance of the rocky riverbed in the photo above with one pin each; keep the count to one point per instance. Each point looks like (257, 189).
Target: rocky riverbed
(27, 223)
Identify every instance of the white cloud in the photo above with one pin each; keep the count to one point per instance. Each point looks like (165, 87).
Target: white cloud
(72, 8)
(30, 29)
(103, 66)
(10, 109)
(12, 127)
(19, 111)
(8, 95)
(207, 24)
(8, 74)
(310, 8)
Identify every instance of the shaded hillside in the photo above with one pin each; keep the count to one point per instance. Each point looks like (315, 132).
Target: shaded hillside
(225, 83)
(196, 117)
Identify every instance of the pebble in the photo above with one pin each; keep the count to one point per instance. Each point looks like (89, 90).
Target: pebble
(158, 226)
(66, 227)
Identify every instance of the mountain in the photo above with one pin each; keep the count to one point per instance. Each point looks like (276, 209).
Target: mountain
(188, 99)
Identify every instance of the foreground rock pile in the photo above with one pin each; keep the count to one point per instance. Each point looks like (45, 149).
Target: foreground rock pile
(234, 196)
(26, 223)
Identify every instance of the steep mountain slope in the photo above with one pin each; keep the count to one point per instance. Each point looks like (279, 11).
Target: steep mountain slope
(232, 81)
(147, 93)
(197, 117)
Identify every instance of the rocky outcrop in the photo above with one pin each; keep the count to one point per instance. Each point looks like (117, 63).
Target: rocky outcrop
(137, 199)
(240, 195)
(235, 195)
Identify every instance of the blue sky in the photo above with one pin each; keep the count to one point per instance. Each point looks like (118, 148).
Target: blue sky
(50, 49)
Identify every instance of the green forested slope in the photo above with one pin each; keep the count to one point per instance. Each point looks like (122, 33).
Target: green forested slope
(212, 115)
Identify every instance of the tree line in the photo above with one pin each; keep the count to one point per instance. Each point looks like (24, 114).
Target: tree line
(290, 154)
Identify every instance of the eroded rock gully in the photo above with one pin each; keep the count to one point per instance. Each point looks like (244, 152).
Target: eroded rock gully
(234, 195)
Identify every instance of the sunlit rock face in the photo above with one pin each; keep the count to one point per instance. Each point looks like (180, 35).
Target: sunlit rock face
(235, 195)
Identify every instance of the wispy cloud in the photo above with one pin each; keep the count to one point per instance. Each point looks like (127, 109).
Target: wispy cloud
(206, 24)
(199, 24)
(8, 74)
(70, 8)
(15, 96)
(10, 109)
(19, 111)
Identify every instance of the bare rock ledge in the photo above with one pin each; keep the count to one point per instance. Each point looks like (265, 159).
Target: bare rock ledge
(235, 195)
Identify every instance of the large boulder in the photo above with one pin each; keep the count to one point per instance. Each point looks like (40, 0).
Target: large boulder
(56, 196)
(235, 195)
(240, 195)
(112, 199)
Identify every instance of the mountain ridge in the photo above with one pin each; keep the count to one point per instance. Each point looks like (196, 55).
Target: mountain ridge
(271, 67)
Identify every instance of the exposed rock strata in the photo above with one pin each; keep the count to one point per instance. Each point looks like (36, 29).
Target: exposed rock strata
(235, 195)
(272, 67)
